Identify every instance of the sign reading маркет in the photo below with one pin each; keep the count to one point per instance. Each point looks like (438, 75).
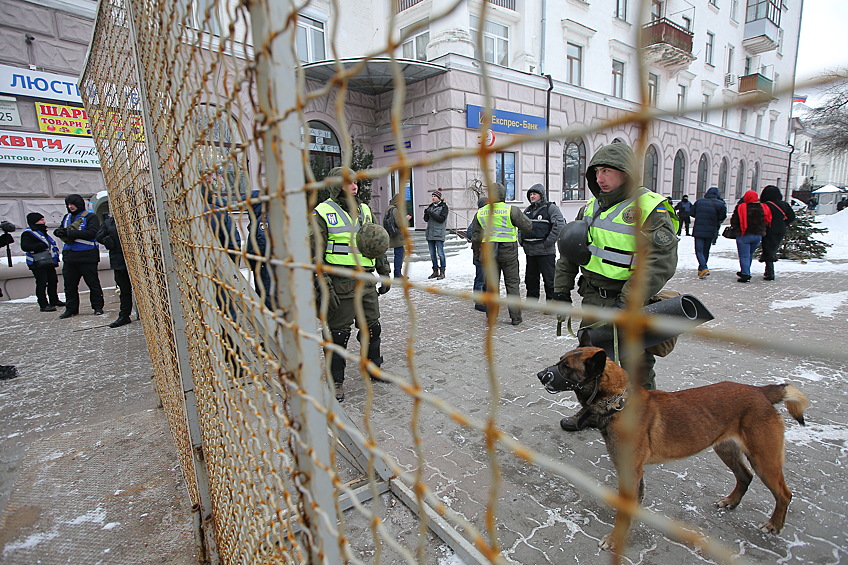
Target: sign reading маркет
(25, 148)
(506, 122)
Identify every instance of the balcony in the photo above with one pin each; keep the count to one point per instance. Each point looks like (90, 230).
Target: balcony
(755, 87)
(406, 4)
(760, 36)
(666, 43)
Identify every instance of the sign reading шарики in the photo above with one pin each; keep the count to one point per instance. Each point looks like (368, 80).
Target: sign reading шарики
(506, 122)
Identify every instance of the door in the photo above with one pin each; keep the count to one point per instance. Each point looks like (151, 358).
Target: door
(395, 181)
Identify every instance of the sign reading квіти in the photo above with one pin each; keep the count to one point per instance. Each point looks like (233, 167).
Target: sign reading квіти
(25, 148)
(506, 122)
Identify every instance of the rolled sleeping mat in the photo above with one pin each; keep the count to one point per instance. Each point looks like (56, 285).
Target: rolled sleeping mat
(682, 306)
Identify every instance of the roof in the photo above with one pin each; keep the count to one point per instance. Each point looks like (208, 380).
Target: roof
(827, 188)
(376, 76)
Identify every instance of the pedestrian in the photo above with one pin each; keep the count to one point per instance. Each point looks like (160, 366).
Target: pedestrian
(684, 210)
(339, 220)
(80, 255)
(257, 244)
(35, 240)
(608, 263)
(540, 245)
(750, 220)
(108, 236)
(479, 273)
(391, 222)
(782, 215)
(498, 224)
(709, 212)
(436, 216)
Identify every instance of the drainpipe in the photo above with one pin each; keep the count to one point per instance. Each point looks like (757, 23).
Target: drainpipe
(544, 36)
(547, 141)
(788, 172)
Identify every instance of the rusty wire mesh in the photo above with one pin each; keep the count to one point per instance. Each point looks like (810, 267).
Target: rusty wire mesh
(192, 134)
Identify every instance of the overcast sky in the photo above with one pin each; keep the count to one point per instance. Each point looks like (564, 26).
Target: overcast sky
(824, 40)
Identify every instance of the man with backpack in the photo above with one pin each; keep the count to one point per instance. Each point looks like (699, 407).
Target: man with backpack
(391, 222)
(540, 245)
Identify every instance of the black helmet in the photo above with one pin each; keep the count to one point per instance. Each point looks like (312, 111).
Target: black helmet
(573, 242)
(372, 240)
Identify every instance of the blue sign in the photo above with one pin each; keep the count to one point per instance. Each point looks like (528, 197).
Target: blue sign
(391, 147)
(507, 122)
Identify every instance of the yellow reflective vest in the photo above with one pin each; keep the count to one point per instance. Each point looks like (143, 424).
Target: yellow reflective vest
(612, 232)
(341, 234)
(498, 216)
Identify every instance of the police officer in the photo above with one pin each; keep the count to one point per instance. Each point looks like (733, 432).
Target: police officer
(607, 258)
(505, 221)
(80, 255)
(337, 244)
(540, 245)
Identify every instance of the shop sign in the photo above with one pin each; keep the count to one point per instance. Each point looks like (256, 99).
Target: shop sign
(9, 115)
(391, 147)
(53, 118)
(35, 84)
(23, 148)
(506, 122)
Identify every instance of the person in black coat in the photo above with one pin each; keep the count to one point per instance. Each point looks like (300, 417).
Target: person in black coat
(684, 211)
(782, 215)
(35, 239)
(257, 244)
(709, 212)
(108, 236)
(80, 255)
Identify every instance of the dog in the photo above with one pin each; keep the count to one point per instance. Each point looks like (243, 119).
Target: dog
(737, 420)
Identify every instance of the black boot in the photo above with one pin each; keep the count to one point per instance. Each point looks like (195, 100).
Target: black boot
(374, 341)
(580, 421)
(769, 273)
(435, 273)
(121, 321)
(338, 362)
(441, 274)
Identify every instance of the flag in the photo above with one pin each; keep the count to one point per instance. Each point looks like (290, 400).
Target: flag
(799, 99)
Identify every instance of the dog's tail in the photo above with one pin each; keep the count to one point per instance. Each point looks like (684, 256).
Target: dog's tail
(794, 400)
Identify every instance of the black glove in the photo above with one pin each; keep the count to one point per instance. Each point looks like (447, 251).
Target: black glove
(60, 232)
(384, 288)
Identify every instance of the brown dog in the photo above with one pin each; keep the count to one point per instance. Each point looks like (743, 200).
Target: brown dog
(737, 420)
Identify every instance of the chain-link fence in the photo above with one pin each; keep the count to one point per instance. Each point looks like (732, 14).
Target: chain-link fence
(198, 112)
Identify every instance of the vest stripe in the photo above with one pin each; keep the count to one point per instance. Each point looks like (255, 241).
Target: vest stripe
(341, 234)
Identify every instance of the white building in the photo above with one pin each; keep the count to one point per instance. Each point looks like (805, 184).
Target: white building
(701, 56)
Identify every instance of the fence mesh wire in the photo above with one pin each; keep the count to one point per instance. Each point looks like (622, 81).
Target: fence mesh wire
(198, 123)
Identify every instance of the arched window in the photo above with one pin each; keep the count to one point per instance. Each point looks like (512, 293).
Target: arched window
(678, 176)
(722, 177)
(651, 168)
(703, 176)
(221, 164)
(740, 180)
(574, 170)
(325, 151)
(755, 180)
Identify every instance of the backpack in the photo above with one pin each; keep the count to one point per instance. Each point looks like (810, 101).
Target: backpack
(390, 223)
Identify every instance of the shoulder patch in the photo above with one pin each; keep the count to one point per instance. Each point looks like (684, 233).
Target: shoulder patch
(663, 237)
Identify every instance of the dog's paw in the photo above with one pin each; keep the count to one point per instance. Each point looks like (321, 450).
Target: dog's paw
(769, 528)
(727, 503)
(606, 542)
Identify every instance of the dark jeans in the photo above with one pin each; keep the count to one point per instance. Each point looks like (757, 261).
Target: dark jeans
(702, 251)
(72, 273)
(46, 281)
(398, 254)
(122, 279)
(437, 253)
(544, 265)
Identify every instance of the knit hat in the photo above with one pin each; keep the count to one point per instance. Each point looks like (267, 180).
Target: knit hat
(33, 218)
(438, 193)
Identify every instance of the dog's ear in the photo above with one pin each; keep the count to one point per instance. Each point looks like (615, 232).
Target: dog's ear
(596, 364)
(583, 338)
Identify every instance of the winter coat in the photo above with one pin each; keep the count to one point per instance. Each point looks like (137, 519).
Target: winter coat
(256, 237)
(506, 251)
(108, 236)
(782, 215)
(709, 212)
(658, 228)
(87, 233)
(684, 209)
(393, 218)
(436, 216)
(547, 221)
(31, 243)
(754, 214)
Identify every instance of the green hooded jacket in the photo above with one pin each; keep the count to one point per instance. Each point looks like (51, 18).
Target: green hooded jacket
(658, 228)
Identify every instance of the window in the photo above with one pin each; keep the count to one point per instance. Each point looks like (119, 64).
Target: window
(574, 170)
(687, 23)
(743, 121)
(651, 168)
(621, 9)
(653, 89)
(755, 179)
(705, 108)
(703, 176)
(734, 9)
(714, 2)
(708, 55)
(574, 70)
(780, 42)
(310, 40)
(725, 117)
(201, 15)
(731, 55)
(758, 127)
(722, 178)
(224, 169)
(681, 98)
(772, 125)
(495, 42)
(415, 47)
(325, 151)
(748, 64)
(505, 172)
(678, 175)
(763, 9)
(656, 10)
(740, 180)
(617, 79)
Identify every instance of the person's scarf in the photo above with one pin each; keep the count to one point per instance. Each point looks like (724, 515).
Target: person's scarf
(751, 197)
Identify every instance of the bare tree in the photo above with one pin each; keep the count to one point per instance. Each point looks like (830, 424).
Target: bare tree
(829, 122)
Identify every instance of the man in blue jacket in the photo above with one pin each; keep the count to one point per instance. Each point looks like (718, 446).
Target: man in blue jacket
(709, 212)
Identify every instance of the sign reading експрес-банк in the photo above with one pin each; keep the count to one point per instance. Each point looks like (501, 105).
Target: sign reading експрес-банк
(505, 122)
(25, 148)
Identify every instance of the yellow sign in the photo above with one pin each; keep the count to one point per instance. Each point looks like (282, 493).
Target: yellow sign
(133, 127)
(56, 119)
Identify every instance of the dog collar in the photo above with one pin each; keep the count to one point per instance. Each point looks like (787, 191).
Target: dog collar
(613, 404)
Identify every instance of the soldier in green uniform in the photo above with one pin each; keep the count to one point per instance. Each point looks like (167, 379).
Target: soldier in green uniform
(337, 244)
(607, 259)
